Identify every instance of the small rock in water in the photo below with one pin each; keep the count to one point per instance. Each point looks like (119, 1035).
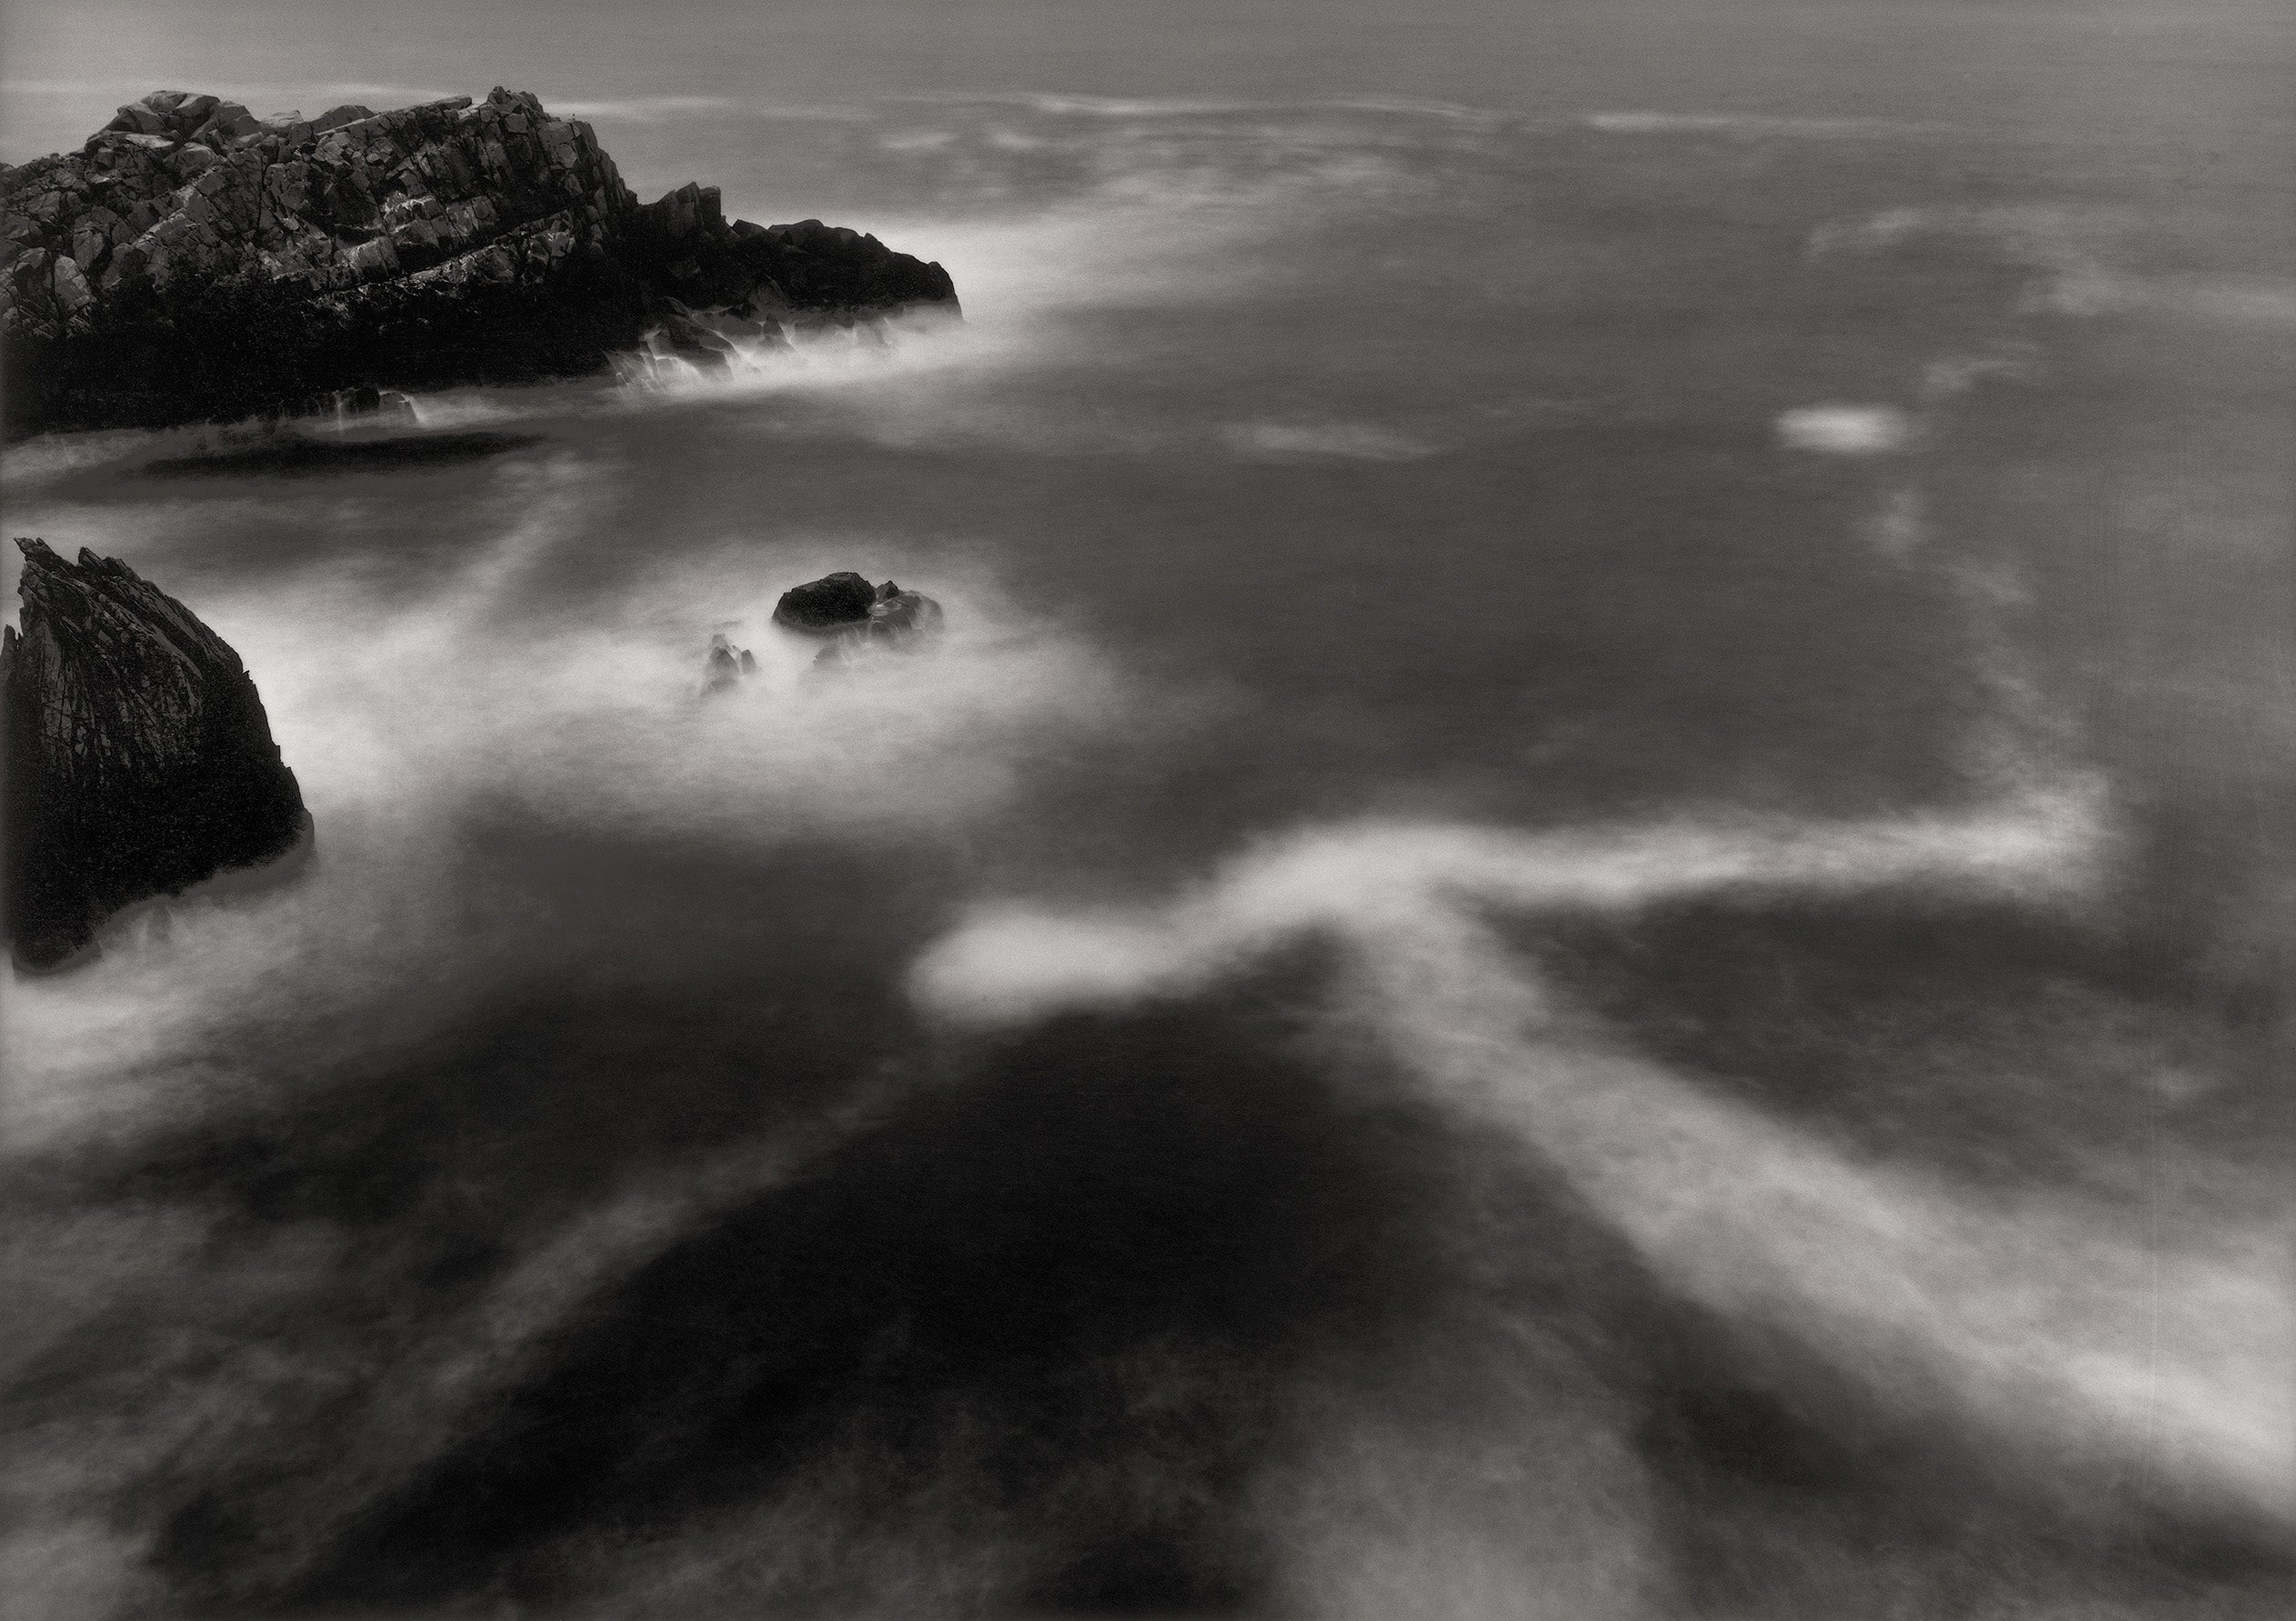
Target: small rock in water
(725, 665)
(902, 616)
(826, 605)
(897, 622)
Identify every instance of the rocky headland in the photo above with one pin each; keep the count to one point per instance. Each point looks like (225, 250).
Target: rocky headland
(139, 759)
(193, 262)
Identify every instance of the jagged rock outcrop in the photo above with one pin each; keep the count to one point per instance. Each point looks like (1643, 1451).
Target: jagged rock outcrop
(193, 261)
(140, 759)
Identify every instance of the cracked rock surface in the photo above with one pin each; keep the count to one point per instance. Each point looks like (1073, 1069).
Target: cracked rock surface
(140, 759)
(193, 261)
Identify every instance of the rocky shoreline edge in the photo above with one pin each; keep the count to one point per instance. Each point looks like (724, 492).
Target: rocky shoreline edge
(193, 262)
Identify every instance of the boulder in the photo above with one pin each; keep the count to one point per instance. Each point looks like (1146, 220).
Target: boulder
(826, 606)
(194, 262)
(139, 759)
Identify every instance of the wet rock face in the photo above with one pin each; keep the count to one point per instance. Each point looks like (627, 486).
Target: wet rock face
(194, 261)
(140, 759)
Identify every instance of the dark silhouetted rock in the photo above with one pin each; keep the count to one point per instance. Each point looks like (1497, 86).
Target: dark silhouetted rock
(193, 261)
(139, 760)
(826, 606)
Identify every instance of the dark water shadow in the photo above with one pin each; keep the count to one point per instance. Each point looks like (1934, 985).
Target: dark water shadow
(1067, 1287)
(649, 1006)
(299, 457)
(230, 885)
(1789, 1488)
(1067, 1283)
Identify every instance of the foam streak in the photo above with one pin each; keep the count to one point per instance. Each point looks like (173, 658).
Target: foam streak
(2027, 1319)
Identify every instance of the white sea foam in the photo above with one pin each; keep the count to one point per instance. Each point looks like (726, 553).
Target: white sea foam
(401, 717)
(830, 356)
(2081, 260)
(639, 109)
(1753, 124)
(1317, 441)
(2026, 1316)
(1105, 106)
(1845, 430)
(1017, 961)
(2041, 1319)
(1151, 107)
(405, 717)
(1946, 379)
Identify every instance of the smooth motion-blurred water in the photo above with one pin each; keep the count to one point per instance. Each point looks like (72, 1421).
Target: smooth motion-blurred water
(1586, 917)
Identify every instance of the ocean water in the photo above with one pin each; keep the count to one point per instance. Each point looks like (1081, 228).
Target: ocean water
(1586, 916)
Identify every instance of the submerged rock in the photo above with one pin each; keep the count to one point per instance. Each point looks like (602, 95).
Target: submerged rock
(140, 759)
(897, 622)
(193, 261)
(899, 615)
(725, 665)
(826, 606)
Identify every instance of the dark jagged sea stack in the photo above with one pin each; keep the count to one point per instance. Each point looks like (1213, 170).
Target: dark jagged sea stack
(194, 262)
(140, 759)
